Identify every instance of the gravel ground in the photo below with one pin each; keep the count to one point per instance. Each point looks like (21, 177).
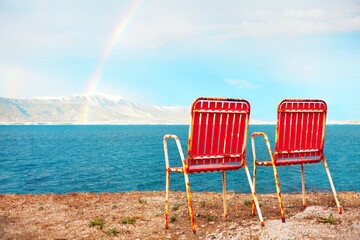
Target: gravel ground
(140, 215)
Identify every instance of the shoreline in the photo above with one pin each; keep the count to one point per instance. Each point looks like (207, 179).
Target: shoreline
(331, 123)
(69, 216)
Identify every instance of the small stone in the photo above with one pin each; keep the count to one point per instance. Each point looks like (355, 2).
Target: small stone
(232, 227)
(211, 222)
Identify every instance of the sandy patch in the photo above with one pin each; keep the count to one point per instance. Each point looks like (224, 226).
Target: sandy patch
(68, 216)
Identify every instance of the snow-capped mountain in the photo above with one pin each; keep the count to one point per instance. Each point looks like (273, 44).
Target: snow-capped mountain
(95, 109)
(88, 109)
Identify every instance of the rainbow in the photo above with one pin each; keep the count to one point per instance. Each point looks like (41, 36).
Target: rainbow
(113, 41)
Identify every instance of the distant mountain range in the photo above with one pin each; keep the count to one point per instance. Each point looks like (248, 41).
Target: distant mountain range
(87, 109)
(92, 109)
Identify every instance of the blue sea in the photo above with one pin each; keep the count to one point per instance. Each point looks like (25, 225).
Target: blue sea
(61, 159)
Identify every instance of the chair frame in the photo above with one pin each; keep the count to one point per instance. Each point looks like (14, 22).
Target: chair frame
(208, 166)
(306, 155)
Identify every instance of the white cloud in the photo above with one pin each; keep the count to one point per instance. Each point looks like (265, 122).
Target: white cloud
(17, 81)
(287, 27)
(215, 20)
(311, 13)
(69, 28)
(241, 84)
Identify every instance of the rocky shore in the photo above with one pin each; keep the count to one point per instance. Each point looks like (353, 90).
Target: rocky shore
(140, 215)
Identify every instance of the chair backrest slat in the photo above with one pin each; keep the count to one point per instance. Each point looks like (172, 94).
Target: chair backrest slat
(218, 129)
(300, 129)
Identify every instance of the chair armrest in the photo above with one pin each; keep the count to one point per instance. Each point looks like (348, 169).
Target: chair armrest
(178, 146)
(267, 144)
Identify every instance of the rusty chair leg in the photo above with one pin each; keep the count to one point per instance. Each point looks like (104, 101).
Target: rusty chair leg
(167, 197)
(303, 184)
(279, 193)
(254, 182)
(254, 195)
(224, 193)
(332, 186)
(189, 202)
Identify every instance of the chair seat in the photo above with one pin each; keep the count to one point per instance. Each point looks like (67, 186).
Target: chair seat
(206, 168)
(289, 162)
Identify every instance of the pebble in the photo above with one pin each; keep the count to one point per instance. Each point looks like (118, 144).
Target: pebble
(232, 227)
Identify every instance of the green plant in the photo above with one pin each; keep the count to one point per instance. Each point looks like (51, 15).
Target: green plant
(248, 203)
(209, 218)
(330, 219)
(98, 222)
(111, 231)
(141, 201)
(173, 219)
(176, 207)
(128, 220)
(203, 203)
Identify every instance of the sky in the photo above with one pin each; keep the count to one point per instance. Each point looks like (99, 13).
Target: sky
(171, 52)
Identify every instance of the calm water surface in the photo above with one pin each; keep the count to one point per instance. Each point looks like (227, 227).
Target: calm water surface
(60, 159)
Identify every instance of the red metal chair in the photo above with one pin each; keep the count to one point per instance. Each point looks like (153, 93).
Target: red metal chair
(217, 142)
(300, 132)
